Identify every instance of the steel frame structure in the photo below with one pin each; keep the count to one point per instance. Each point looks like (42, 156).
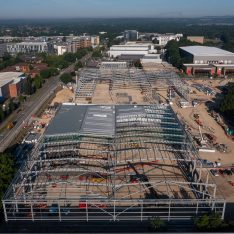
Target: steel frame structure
(128, 78)
(147, 168)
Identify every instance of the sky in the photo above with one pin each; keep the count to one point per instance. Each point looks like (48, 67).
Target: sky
(13, 9)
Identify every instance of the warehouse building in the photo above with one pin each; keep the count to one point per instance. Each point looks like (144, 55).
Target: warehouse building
(204, 60)
(11, 84)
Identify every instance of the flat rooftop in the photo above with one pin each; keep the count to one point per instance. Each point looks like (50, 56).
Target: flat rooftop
(206, 51)
(79, 119)
(6, 77)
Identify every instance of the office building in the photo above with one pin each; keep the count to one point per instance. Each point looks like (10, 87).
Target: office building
(27, 47)
(163, 39)
(131, 49)
(131, 35)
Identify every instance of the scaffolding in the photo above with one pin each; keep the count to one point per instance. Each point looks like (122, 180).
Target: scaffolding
(129, 78)
(115, 163)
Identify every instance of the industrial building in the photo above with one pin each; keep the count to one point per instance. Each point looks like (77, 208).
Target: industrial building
(113, 163)
(27, 47)
(131, 48)
(11, 84)
(207, 60)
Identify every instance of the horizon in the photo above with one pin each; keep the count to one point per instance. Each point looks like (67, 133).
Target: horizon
(123, 17)
(104, 9)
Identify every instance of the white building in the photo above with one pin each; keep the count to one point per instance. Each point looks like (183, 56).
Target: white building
(163, 39)
(151, 59)
(131, 49)
(61, 49)
(95, 41)
(27, 47)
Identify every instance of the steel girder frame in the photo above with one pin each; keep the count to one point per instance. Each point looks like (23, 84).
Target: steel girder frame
(26, 199)
(111, 210)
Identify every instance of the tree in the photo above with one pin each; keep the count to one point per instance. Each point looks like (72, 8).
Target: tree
(1, 114)
(45, 74)
(11, 106)
(38, 81)
(138, 64)
(7, 171)
(70, 57)
(30, 67)
(28, 89)
(97, 53)
(66, 78)
(227, 104)
(21, 99)
(78, 65)
(53, 71)
(156, 224)
(202, 223)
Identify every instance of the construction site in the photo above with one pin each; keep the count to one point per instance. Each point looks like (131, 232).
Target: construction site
(126, 85)
(113, 163)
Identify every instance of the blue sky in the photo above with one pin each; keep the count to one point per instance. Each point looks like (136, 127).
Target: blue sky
(113, 8)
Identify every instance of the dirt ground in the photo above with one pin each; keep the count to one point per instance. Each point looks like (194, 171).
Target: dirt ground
(63, 96)
(210, 126)
(102, 95)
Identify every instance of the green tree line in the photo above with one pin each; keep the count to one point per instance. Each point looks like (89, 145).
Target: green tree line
(227, 104)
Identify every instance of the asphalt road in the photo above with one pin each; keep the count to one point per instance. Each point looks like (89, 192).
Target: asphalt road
(31, 107)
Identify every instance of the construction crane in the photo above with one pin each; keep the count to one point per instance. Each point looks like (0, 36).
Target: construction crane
(143, 178)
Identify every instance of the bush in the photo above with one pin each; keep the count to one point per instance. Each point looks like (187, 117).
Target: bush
(209, 222)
